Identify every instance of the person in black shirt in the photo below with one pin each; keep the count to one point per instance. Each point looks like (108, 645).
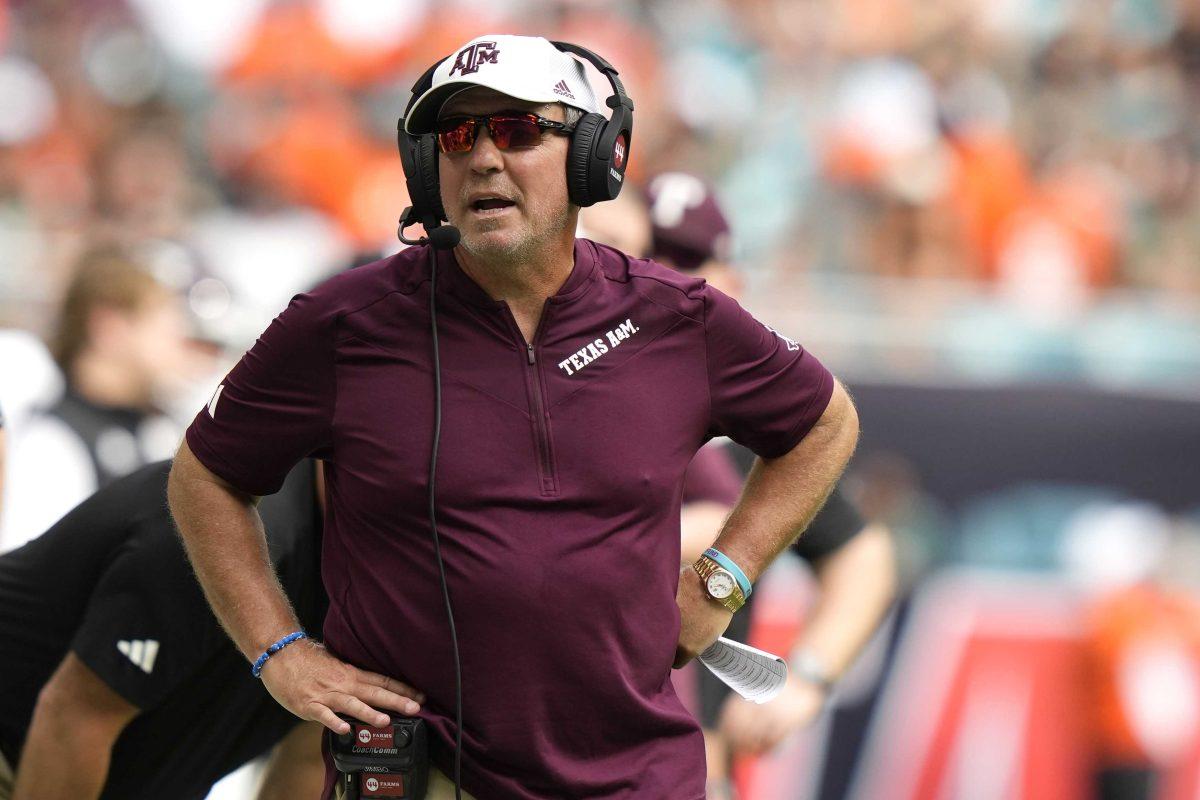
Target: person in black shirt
(117, 681)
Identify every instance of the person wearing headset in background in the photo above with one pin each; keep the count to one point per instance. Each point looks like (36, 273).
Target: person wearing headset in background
(853, 563)
(575, 383)
(118, 682)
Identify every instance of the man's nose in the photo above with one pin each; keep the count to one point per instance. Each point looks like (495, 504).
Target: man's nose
(485, 156)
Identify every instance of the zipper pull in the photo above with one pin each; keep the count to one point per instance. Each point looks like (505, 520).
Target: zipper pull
(529, 350)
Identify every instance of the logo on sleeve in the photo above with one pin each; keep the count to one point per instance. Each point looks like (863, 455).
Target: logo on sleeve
(141, 652)
(792, 344)
(470, 59)
(212, 404)
(598, 347)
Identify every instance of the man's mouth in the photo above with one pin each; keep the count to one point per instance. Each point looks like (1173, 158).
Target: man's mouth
(492, 205)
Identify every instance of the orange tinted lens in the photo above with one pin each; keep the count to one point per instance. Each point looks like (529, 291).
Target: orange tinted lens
(509, 132)
(458, 138)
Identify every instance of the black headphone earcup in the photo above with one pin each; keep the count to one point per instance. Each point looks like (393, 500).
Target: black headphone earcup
(580, 158)
(427, 157)
(418, 156)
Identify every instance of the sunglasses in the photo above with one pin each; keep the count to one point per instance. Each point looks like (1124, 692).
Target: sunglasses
(508, 129)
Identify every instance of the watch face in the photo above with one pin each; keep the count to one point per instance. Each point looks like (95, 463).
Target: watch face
(720, 584)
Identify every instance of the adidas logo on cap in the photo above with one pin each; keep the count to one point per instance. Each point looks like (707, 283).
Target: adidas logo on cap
(561, 88)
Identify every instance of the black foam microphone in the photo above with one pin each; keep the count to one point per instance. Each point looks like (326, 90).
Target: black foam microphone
(442, 237)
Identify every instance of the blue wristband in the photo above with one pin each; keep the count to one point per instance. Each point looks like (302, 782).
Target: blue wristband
(256, 670)
(727, 562)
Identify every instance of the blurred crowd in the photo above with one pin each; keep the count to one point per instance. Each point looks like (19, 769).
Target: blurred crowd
(1044, 151)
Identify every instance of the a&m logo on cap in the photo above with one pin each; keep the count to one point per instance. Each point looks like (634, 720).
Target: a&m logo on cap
(471, 58)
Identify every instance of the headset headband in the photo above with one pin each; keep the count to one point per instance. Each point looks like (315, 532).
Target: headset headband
(618, 97)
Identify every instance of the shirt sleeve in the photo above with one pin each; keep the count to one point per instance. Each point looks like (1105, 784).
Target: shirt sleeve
(836, 523)
(147, 627)
(765, 390)
(276, 406)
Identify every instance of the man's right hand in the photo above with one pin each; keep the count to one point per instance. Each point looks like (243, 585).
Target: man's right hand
(309, 681)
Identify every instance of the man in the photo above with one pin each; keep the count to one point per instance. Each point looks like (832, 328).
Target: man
(121, 341)
(118, 682)
(577, 383)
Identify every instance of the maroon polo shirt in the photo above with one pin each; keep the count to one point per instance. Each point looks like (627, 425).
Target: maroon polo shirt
(558, 489)
(712, 477)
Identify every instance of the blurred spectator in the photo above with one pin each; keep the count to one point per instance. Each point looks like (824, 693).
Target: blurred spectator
(1141, 648)
(690, 232)
(121, 343)
(854, 563)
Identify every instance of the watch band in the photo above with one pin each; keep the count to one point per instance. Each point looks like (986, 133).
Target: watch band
(705, 567)
(811, 669)
(730, 566)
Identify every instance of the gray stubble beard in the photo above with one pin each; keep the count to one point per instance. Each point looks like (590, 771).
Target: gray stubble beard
(520, 255)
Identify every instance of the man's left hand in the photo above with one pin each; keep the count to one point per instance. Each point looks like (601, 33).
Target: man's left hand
(702, 619)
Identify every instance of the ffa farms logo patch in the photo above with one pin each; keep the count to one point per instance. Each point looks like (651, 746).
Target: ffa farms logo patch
(470, 59)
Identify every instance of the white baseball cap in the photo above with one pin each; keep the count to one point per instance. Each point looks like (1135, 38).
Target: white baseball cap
(525, 67)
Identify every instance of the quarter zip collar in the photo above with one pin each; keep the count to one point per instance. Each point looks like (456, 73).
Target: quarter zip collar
(461, 285)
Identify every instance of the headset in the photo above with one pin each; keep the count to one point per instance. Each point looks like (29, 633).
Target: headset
(596, 162)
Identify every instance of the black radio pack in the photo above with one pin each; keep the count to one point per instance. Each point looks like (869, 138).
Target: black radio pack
(391, 761)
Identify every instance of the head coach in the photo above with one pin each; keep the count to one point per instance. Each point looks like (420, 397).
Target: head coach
(566, 390)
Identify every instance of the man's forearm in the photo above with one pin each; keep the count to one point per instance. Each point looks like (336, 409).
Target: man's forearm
(858, 583)
(75, 723)
(783, 494)
(224, 538)
(63, 758)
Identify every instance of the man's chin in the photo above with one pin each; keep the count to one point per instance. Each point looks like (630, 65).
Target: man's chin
(491, 241)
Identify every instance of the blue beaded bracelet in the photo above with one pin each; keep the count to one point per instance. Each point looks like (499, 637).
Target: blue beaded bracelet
(727, 562)
(256, 670)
